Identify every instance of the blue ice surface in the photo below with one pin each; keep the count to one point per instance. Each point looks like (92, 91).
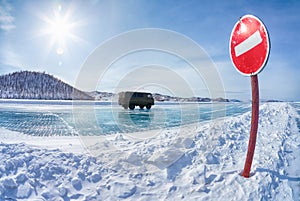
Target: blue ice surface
(63, 118)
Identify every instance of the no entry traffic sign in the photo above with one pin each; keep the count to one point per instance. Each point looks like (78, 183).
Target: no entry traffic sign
(249, 45)
(249, 51)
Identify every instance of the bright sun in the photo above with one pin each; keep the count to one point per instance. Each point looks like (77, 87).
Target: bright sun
(59, 28)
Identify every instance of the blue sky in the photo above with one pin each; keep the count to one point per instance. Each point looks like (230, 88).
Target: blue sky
(58, 36)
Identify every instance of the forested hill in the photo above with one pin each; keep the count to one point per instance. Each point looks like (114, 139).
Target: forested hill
(36, 85)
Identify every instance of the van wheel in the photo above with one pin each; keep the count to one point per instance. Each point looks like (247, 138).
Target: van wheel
(131, 107)
(141, 107)
(148, 106)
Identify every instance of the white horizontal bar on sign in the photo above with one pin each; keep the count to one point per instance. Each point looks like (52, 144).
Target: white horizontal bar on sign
(252, 41)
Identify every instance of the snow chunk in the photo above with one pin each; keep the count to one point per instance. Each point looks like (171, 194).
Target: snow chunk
(24, 191)
(134, 159)
(123, 190)
(212, 159)
(165, 158)
(62, 191)
(96, 177)
(21, 178)
(47, 194)
(76, 183)
(9, 183)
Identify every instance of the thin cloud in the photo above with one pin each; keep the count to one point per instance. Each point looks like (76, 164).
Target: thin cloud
(6, 19)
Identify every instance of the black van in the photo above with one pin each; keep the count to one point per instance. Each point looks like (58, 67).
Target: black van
(132, 99)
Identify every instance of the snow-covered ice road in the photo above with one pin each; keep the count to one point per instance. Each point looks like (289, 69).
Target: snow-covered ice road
(195, 162)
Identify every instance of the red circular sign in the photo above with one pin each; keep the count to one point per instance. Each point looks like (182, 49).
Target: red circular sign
(249, 45)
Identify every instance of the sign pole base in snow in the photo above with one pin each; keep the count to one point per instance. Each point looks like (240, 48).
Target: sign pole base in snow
(254, 126)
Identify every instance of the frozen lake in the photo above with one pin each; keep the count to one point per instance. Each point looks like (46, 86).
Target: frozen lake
(193, 163)
(46, 118)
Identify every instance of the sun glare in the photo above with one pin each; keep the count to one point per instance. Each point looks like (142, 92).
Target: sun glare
(59, 28)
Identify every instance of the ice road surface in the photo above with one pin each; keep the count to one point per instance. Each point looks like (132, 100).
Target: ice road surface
(195, 162)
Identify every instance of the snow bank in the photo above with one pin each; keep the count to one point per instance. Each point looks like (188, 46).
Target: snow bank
(196, 162)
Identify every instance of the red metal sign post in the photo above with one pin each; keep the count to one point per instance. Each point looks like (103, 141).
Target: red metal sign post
(254, 126)
(249, 51)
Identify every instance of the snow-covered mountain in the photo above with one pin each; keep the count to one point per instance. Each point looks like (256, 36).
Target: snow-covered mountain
(37, 85)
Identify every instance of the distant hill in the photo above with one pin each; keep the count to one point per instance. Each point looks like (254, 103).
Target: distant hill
(36, 85)
(160, 97)
(102, 96)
